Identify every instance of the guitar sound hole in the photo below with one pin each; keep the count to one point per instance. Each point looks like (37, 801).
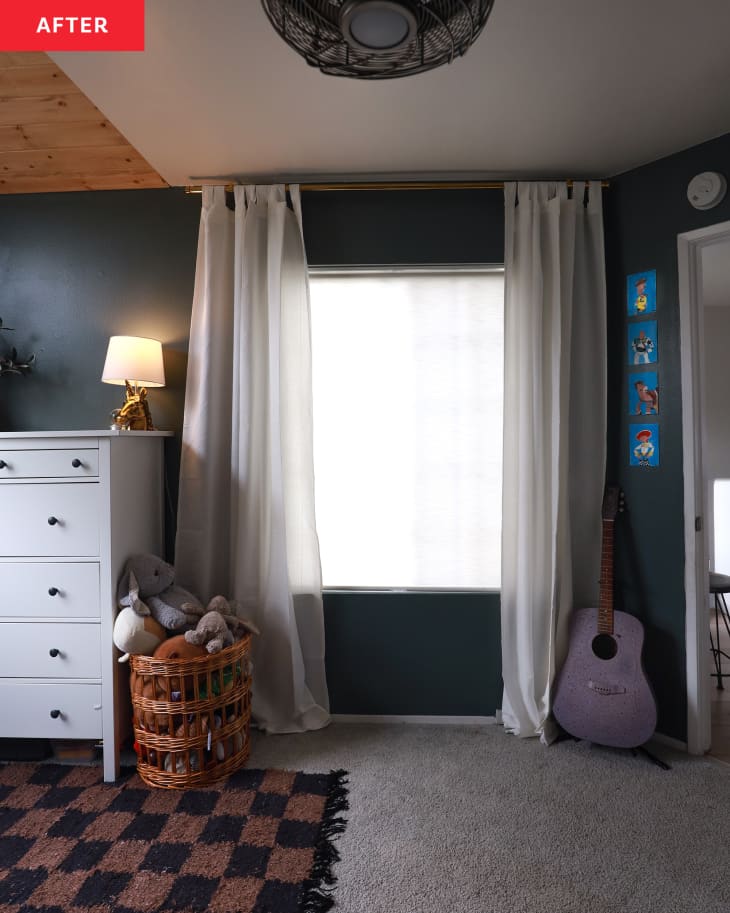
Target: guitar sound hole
(604, 646)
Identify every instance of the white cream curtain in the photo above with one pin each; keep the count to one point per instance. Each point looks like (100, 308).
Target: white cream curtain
(246, 502)
(554, 435)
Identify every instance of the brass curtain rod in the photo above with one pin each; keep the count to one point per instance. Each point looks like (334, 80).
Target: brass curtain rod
(393, 185)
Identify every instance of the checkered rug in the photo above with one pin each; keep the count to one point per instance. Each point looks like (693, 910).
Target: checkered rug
(258, 842)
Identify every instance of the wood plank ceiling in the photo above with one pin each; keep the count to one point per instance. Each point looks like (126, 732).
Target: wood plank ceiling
(52, 138)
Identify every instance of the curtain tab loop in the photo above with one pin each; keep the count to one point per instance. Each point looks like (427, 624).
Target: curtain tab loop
(579, 191)
(213, 196)
(594, 196)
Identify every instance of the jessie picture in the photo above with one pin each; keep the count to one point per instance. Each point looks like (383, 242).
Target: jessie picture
(644, 445)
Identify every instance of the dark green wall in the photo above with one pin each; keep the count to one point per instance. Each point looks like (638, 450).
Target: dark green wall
(409, 653)
(645, 211)
(77, 268)
(414, 653)
(403, 227)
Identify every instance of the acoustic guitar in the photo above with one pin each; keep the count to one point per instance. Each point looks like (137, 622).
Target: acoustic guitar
(602, 693)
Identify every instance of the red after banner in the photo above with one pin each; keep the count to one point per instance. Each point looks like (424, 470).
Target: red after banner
(71, 25)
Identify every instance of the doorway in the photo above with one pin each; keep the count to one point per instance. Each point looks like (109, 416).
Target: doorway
(704, 297)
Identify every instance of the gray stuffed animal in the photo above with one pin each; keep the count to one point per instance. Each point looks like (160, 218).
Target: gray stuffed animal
(220, 626)
(147, 582)
(211, 632)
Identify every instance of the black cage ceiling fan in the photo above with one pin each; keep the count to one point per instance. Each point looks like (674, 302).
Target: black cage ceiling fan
(378, 39)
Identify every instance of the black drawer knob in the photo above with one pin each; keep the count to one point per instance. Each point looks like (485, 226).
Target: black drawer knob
(52, 521)
(55, 714)
(76, 463)
(53, 652)
(53, 591)
(3, 464)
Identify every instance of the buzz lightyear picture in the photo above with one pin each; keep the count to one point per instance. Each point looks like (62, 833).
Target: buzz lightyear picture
(642, 342)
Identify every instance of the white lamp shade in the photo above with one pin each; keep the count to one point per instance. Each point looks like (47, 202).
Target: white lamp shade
(136, 359)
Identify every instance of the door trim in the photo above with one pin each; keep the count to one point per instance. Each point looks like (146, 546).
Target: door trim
(696, 569)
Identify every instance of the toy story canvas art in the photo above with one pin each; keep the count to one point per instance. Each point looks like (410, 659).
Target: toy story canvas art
(642, 343)
(643, 393)
(641, 293)
(644, 444)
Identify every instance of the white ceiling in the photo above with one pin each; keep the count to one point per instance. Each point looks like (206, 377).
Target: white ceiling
(568, 88)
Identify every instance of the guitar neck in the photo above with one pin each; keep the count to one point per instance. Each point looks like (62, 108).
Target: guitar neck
(605, 604)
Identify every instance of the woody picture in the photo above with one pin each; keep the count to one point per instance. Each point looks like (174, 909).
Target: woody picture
(641, 293)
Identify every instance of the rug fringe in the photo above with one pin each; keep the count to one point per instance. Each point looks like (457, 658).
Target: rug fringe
(319, 887)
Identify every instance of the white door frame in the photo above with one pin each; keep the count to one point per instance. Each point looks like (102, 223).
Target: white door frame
(696, 568)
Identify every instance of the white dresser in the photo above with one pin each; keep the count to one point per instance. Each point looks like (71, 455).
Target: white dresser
(74, 505)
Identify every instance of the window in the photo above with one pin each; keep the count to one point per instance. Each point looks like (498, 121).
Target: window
(407, 385)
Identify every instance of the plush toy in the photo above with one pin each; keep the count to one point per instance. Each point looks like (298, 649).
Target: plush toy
(143, 686)
(147, 585)
(235, 744)
(152, 687)
(178, 759)
(192, 732)
(237, 626)
(211, 632)
(135, 633)
(161, 723)
(178, 647)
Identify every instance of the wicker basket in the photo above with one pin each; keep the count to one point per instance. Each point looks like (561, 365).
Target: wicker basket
(191, 716)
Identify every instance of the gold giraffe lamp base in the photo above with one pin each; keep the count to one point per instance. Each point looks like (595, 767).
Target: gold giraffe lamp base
(135, 413)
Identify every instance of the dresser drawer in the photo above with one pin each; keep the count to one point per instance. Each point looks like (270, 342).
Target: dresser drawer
(50, 650)
(26, 707)
(45, 520)
(48, 464)
(49, 590)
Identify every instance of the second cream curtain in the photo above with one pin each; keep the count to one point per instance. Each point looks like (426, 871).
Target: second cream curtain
(554, 435)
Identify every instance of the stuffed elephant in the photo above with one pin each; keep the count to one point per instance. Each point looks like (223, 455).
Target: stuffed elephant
(211, 632)
(219, 627)
(147, 585)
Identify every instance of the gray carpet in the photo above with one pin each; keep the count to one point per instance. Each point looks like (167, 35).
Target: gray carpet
(463, 819)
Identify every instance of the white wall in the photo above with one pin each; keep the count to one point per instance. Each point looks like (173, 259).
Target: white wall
(716, 446)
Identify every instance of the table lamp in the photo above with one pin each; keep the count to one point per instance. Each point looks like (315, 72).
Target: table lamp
(135, 363)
